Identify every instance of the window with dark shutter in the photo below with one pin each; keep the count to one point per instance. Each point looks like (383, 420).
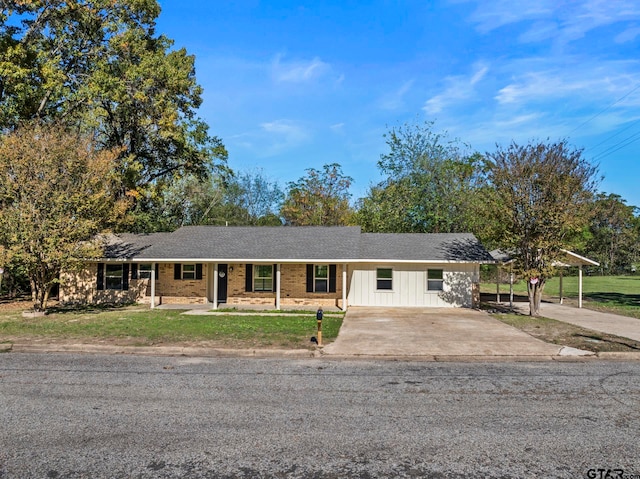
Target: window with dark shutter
(134, 270)
(275, 277)
(248, 283)
(125, 277)
(100, 277)
(332, 278)
(177, 271)
(309, 278)
(198, 270)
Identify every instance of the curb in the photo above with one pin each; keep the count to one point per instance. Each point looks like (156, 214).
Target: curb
(630, 356)
(162, 351)
(296, 353)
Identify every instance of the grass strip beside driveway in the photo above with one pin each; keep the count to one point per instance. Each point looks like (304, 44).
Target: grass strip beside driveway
(144, 327)
(565, 334)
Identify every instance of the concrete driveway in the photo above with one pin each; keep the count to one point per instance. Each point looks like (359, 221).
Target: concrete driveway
(368, 331)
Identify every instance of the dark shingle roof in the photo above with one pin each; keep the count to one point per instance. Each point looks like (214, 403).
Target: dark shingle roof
(423, 247)
(346, 243)
(129, 245)
(268, 243)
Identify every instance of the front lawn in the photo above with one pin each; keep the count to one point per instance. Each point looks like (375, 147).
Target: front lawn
(141, 326)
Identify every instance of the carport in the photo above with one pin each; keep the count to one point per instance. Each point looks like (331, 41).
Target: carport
(569, 259)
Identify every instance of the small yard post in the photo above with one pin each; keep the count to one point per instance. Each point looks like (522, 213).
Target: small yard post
(319, 315)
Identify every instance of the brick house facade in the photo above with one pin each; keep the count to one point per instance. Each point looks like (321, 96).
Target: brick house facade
(282, 266)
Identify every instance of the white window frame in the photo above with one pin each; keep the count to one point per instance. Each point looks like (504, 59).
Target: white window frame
(378, 279)
(112, 274)
(317, 278)
(260, 280)
(144, 271)
(191, 274)
(435, 281)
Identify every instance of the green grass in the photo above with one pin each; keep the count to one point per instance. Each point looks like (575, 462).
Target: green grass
(144, 327)
(565, 334)
(617, 294)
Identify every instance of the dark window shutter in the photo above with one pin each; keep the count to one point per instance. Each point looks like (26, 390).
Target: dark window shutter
(309, 278)
(157, 271)
(125, 276)
(275, 277)
(100, 278)
(177, 271)
(248, 280)
(332, 278)
(134, 270)
(198, 270)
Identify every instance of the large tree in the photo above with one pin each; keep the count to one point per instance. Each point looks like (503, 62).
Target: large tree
(429, 187)
(614, 234)
(100, 66)
(320, 198)
(56, 193)
(539, 203)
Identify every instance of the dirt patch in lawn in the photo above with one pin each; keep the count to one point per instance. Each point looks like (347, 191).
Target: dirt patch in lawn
(564, 334)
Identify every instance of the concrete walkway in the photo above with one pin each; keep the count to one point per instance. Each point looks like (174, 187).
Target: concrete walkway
(436, 332)
(622, 326)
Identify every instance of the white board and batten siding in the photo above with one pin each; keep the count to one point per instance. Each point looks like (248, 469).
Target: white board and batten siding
(409, 285)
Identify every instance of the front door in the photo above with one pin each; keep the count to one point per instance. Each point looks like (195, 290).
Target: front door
(222, 283)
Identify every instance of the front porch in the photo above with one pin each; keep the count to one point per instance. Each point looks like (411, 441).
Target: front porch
(273, 286)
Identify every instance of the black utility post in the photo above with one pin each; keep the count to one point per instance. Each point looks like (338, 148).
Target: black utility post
(319, 315)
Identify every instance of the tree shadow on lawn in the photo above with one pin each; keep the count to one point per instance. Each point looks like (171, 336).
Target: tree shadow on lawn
(617, 299)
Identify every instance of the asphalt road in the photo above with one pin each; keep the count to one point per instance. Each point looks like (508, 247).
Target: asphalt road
(83, 416)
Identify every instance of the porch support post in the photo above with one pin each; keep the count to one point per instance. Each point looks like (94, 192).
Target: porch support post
(278, 288)
(580, 286)
(561, 298)
(215, 286)
(497, 283)
(153, 285)
(344, 287)
(511, 285)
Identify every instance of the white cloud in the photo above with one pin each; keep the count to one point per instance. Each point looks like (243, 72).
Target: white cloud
(562, 21)
(627, 35)
(298, 71)
(459, 88)
(395, 99)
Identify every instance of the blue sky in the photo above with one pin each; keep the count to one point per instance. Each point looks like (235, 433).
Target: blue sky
(296, 85)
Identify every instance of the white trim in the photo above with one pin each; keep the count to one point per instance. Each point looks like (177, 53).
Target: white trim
(278, 285)
(344, 287)
(583, 261)
(153, 285)
(215, 286)
(297, 261)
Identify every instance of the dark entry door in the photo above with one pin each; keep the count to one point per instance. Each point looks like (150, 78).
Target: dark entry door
(222, 283)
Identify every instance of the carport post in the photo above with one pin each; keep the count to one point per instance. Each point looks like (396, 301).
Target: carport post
(511, 287)
(561, 298)
(580, 286)
(153, 285)
(497, 283)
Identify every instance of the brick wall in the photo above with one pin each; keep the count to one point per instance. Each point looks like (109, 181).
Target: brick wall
(180, 291)
(81, 287)
(293, 288)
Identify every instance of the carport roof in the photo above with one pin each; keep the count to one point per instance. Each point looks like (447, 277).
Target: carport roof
(311, 243)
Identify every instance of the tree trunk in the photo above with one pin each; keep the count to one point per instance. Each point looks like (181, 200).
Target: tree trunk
(535, 296)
